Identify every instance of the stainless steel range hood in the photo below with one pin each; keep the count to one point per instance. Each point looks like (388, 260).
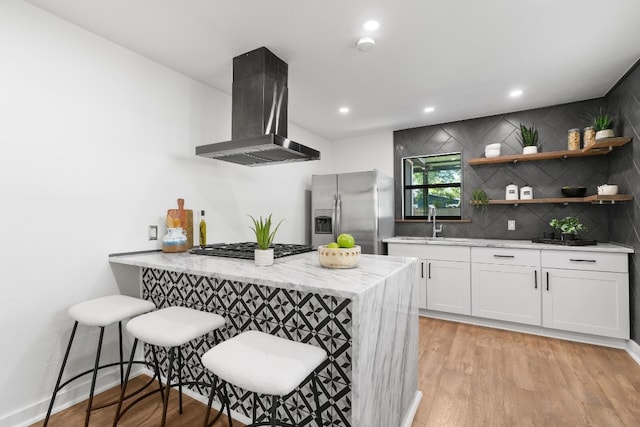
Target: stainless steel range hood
(259, 115)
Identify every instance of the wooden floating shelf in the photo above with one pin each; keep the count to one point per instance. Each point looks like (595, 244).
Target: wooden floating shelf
(600, 148)
(595, 199)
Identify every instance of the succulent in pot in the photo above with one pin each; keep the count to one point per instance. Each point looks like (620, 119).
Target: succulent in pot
(264, 239)
(529, 139)
(603, 125)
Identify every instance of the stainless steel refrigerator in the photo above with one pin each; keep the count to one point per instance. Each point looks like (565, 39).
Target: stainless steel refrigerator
(358, 203)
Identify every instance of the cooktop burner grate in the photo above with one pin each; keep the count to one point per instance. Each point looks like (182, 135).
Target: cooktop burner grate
(245, 250)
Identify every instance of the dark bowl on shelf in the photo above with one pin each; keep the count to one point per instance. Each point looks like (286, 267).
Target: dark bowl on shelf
(574, 191)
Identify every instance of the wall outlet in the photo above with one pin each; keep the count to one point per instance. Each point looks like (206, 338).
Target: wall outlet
(511, 224)
(153, 232)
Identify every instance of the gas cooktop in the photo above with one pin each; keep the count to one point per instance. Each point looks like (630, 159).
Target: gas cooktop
(245, 250)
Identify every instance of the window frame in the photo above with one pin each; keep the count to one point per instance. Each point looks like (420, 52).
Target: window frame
(427, 186)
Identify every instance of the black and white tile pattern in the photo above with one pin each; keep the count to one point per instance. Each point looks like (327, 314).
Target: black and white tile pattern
(325, 321)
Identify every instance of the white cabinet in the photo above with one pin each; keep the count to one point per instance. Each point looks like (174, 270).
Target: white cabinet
(586, 292)
(506, 285)
(445, 282)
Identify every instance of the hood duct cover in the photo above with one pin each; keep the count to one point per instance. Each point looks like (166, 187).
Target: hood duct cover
(259, 115)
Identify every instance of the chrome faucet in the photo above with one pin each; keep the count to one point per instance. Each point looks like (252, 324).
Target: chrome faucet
(431, 217)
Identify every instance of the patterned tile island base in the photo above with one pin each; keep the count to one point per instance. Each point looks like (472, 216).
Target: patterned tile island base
(365, 318)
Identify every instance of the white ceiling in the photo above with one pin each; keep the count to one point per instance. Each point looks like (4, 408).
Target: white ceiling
(460, 56)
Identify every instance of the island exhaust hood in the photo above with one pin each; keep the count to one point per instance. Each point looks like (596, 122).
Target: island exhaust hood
(259, 115)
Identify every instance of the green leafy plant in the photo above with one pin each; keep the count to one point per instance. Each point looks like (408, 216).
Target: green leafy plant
(602, 121)
(262, 229)
(568, 225)
(528, 135)
(480, 198)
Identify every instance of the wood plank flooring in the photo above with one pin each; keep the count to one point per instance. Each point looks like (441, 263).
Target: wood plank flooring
(472, 376)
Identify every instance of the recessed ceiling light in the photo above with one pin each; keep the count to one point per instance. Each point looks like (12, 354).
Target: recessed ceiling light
(365, 43)
(515, 93)
(371, 25)
(343, 110)
(429, 110)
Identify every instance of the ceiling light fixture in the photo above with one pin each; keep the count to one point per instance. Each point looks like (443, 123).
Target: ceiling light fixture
(343, 110)
(371, 25)
(365, 43)
(429, 110)
(515, 93)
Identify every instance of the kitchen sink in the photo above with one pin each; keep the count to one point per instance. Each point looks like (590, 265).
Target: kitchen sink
(436, 239)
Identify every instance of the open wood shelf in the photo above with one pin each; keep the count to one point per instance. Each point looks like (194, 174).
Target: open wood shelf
(600, 148)
(595, 199)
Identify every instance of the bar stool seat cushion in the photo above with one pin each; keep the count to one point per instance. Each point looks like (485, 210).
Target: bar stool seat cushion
(106, 310)
(263, 363)
(173, 326)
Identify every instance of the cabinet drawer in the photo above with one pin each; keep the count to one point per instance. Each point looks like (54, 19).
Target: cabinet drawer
(583, 260)
(435, 252)
(530, 257)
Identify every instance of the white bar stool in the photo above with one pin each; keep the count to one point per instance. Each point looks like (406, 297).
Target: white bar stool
(99, 312)
(170, 327)
(265, 364)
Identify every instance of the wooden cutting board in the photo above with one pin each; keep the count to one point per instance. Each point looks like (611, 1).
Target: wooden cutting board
(186, 220)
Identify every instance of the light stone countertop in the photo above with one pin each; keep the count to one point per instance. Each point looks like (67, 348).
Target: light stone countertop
(503, 243)
(301, 272)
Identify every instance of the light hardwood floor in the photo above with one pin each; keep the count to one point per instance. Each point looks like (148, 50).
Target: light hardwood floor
(475, 376)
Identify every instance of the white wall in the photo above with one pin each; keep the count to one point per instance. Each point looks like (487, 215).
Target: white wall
(366, 152)
(96, 144)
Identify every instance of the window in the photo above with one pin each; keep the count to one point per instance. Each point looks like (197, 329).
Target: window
(432, 181)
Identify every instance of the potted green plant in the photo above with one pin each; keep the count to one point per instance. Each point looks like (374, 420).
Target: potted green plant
(480, 198)
(529, 139)
(568, 227)
(603, 125)
(264, 239)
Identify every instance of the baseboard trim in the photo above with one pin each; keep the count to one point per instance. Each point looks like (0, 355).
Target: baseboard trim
(411, 412)
(633, 348)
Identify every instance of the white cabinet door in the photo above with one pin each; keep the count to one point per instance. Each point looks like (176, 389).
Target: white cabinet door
(449, 286)
(592, 302)
(506, 292)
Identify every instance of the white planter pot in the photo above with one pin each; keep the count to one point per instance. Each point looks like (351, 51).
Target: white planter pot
(263, 257)
(606, 133)
(530, 149)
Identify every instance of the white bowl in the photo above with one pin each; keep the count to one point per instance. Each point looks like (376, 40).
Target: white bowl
(607, 190)
(339, 257)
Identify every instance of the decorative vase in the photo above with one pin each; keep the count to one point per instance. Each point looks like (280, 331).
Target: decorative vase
(175, 240)
(263, 257)
(606, 133)
(530, 149)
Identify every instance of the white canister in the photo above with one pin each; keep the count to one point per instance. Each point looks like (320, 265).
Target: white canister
(526, 193)
(511, 192)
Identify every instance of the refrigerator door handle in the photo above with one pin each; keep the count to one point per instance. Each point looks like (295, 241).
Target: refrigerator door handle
(338, 228)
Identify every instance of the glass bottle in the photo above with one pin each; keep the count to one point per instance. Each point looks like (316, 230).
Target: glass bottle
(203, 230)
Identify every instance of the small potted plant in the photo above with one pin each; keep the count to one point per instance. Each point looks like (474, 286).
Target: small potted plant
(480, 198)
(529, 139)
(603, 125)
(568, 227)
(264, 239)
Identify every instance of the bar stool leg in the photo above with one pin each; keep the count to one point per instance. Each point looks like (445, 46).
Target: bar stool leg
(94, 377)
(124, 384)
(168, 387)
(156, 370)
(64, 364)
(314, 388)
(121, 361)
(274, 406)
(180, 378)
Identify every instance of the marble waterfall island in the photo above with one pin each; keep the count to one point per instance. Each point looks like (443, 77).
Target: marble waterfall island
(365, 317)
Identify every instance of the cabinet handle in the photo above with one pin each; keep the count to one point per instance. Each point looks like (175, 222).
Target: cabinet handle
(581, 260)
(535, 279)
(504, 256)
(547, 280)
(429, 272)
(422, 269)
